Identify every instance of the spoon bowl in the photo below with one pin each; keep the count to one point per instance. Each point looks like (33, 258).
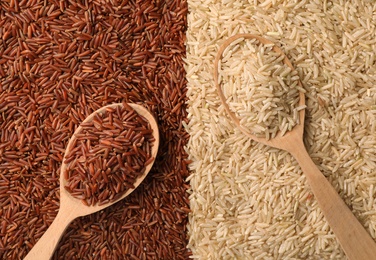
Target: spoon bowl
(354, 239)
(70, 207)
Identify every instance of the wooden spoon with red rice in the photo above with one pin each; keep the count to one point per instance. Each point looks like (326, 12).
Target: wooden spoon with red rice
(107, 158)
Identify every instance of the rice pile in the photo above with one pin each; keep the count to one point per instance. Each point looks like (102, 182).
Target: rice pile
(252, 201)
(108, 155)
(59, 62)
(260, 89)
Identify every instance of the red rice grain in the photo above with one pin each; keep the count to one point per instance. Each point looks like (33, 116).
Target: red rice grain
(93, 177)
(60, 61)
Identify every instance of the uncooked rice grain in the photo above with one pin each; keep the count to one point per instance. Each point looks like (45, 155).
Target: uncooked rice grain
(259, 88)
(108, 155)
(250, 201)
(59, 62)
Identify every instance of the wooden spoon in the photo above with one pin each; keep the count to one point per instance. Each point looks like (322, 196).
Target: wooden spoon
(70, 207)
(354, 239)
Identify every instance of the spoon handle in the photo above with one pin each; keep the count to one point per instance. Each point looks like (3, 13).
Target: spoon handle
(354, 239)
(45, 247)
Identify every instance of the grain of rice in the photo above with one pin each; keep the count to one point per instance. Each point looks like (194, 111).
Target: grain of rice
(260, 89)
(98, 143)
(324, 41)
(43, 65)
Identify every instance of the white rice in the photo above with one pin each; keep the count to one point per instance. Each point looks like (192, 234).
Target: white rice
(250, 201)
(260, 89)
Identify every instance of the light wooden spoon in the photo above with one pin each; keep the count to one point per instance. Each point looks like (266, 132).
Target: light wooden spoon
(70, 207)
(354, 239)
